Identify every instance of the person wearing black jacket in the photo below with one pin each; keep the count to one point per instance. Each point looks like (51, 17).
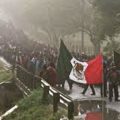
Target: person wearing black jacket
(113, 77)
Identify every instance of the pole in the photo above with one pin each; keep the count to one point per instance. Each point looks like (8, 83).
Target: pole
(82, 31)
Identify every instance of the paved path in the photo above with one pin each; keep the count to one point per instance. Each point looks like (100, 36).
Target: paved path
(75, 94)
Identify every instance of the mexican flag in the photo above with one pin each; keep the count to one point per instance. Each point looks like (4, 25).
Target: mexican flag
(94, 116)
(63, 64)
(90, 72)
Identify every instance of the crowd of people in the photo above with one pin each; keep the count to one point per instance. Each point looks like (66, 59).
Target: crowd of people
(41, 60)
(111, 80)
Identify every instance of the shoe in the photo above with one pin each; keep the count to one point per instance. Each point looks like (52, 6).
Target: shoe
(110, 100)
(93, 94)
(116, 100)
(82, 93)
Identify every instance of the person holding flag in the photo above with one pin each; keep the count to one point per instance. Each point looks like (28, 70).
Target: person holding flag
(113, 77)
(90, 73)
(63, 65)
(86, 87)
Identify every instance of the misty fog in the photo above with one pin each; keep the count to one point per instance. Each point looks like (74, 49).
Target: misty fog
(40, 17)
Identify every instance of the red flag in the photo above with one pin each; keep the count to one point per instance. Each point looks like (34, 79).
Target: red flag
(94, 71)
(94, 116)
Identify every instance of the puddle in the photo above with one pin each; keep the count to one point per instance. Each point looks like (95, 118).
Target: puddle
(94, 110)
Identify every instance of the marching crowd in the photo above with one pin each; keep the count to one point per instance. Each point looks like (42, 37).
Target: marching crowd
(38, 63)
(42, 61)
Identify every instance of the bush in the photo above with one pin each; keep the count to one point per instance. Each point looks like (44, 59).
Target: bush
(32, 108)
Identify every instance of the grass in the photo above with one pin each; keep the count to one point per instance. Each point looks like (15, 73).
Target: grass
(1, 64)
(33, 108)
(5, 75)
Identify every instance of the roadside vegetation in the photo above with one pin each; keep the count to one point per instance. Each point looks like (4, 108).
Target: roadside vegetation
(35, 108)
(5, 75)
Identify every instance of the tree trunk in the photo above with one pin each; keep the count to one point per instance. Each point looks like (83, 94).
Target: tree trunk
(96, 44)
(97, 48)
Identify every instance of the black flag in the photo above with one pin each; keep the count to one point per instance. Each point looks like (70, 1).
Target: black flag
(117, 59)
(63, 65)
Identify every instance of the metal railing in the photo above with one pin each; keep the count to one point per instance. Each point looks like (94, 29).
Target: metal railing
(33, 82)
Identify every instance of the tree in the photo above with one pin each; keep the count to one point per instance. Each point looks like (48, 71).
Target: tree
(58, 18)
(112, 46)
(8, 34)
(55, 17)
(93, 27)
(109, 10)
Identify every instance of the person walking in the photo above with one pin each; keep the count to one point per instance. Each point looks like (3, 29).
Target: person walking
(51, 74)
(113, 77)
(86, 87)
(104, 84)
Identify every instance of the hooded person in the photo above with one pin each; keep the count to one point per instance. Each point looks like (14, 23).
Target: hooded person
(51, 74)
(113, 77)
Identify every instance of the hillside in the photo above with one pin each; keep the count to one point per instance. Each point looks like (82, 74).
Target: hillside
(33, 108)
(5, 74)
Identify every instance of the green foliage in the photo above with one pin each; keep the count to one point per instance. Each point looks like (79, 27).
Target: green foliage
(5, 75)
(57, 116)
(32, 108)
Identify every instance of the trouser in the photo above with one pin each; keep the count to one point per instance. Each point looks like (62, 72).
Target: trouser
(104, 89)
(86, 87)
(111, 88)
(70, 83)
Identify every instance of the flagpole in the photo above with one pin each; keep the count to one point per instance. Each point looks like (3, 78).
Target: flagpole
(82, 31)
(58, 58)
(102, 88)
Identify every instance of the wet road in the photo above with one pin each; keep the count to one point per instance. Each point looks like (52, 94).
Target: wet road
(93, 106)
(95, 110)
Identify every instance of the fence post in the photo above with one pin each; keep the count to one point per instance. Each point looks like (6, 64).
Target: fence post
(37, 82)
(71, 110)
(17, 72)
(33, 82)
(20, 73)
(30, 82)
(45, 92)
(76, 107)
(56, 98)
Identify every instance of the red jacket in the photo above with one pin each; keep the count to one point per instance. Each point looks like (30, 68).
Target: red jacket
(52, 76)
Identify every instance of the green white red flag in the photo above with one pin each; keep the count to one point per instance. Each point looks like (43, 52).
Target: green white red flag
(90, 72)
